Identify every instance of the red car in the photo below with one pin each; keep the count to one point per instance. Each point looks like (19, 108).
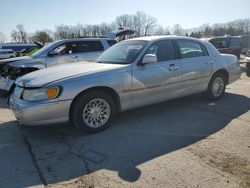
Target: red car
(227, 44)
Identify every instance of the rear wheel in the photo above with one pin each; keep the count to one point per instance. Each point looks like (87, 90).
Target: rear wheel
(217, 86)
(93, 111)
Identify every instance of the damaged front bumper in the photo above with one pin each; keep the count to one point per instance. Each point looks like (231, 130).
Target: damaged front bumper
(6, 83)
(8, 75)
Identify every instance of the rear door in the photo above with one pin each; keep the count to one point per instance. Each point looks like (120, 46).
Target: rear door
(197, 66)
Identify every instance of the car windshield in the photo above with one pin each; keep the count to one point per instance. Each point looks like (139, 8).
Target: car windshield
(123, 52)
(44, 49)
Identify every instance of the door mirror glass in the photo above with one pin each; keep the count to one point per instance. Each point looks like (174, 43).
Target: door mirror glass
(149, 58)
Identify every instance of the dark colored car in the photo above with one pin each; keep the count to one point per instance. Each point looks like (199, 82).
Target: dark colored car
(227, 44)
(247, 60)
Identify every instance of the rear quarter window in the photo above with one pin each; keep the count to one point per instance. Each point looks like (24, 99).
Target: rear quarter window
(87, 46)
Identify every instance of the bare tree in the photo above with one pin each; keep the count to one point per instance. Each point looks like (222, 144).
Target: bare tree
(42, 37)
(139, 20)
(105, 28)
(124, 21)
(177, 30)
(19, 34)
(150, 25)
(206, 30)
(159, 30)
(62, 32)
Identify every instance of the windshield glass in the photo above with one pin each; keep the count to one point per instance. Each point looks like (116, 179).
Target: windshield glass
(43, 49)
(123, 52)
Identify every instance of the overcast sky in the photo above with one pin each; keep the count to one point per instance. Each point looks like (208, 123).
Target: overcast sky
(45, 14)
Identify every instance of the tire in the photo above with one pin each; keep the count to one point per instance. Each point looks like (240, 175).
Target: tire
(11, 91)
(87, 115)
(248, 69)
(216, 87)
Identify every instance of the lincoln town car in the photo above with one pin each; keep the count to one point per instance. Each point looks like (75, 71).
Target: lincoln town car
(132, 73)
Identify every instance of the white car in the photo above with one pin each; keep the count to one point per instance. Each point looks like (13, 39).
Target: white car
(7, 53)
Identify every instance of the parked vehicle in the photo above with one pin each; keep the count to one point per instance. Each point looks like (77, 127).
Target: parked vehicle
(247, 61)
(245, 43)
(7, 53)
(59, 52)
(130, 74)
(19, 47)
(227, 44)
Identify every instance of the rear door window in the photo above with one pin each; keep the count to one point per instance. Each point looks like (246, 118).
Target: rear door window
(191, 49)
(86, 46)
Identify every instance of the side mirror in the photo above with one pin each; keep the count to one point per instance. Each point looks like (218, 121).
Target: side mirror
(149, 58)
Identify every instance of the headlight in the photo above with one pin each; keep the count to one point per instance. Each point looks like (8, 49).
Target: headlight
(40, 94)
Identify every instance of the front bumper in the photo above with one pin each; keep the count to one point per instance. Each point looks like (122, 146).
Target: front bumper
(6, 83)
(40, 113)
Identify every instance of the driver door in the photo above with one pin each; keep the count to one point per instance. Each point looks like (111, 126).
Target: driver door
(160, 81)
(60, 55)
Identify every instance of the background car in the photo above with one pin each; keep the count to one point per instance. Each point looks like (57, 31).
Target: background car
(56, 53)
(7, 53)
(19, 47)
(245, 43)
(131, 74)
(247, 61)
(227, 44)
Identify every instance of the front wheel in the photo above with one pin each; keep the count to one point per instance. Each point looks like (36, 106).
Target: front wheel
(93, 111)
(216, 87)
(248, 69)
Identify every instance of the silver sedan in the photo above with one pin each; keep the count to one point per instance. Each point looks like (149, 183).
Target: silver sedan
(130, 74)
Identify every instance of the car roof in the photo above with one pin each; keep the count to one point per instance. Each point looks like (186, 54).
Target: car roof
(154, 38)
(84, 39)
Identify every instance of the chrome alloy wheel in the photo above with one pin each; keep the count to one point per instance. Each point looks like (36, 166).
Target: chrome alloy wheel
(96, 113)
(218, 87)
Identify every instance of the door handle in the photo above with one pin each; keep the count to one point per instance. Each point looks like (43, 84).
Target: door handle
(209, 63)
(172, 67)
(74, 56)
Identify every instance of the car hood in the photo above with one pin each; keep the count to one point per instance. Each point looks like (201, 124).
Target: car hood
(16, 59)
(45, 76)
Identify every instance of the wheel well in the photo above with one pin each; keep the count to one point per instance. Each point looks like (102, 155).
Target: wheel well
(224, 72)
(107, 90)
